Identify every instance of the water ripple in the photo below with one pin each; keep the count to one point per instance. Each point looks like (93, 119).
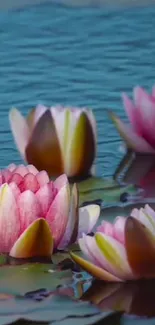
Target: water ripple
(54, 54)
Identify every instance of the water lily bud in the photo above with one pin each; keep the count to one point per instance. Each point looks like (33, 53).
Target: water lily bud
(58, 140)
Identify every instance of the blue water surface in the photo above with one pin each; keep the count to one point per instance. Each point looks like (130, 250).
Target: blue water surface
(78, 56)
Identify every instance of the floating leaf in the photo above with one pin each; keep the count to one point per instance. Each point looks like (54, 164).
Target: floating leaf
(3, 259)
(131, 320)
(55, 308)
(96, 183)
(88, 320)
(106, 190)
(60, 257)
(29, 277)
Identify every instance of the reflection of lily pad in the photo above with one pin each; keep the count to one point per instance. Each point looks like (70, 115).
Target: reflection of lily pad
(101, 319)
(131, 320)
(54, 309)
(106, 190)
(29, 277)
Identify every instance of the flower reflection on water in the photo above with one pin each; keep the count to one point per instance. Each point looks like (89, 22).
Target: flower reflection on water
(134, 298)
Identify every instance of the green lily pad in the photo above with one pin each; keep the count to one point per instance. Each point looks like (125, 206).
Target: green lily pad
(53, 309)
(96, 183)
(127, 320)
(106, 190)
(61, 256)
(3, 259)
(30, 277)
(91, 320)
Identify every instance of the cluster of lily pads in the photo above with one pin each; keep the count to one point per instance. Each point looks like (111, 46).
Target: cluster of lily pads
(39, 202)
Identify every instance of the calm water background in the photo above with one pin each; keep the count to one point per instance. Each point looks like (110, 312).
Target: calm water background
(79, 56)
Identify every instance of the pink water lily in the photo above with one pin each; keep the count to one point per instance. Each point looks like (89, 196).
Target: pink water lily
(121, 251)
(140, 137)
(56, 139)
(38, 215)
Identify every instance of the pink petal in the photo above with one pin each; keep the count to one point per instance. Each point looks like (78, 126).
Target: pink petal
(145, 218)
(9, 219)
(59, 115)
(12, 167)
(132, 113)
(114, 255)
(39, 111)
(42, 178)
(33, 170)
(146, 112)
(60, 182)
(149, 211)
(58, 213)
(20, 130)
(89, 248)
(65, 120)
(85, 251)
(29, 209)
(16, 178)
(119, 226)
(135, 213)
(29, 182)
(88, 217)
(143, 101)
(21, 170)
(70, 234)
(45, 197)
(15, 189)
(97, 257)
(92, 121)
(7, 175)
(132, 140)
(107, 228)
(94, 270)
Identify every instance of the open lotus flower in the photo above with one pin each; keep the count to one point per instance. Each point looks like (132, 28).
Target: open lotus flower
(58, 140)
(121, 251)
(38, 215)
(141, 136)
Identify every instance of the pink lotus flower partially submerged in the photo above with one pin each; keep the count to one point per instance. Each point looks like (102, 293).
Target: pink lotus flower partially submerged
(58, 140)
(141, 114)
(38, 215)
(121, 251)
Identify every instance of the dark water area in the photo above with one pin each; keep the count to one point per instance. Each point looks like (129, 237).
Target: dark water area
(79, 56)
